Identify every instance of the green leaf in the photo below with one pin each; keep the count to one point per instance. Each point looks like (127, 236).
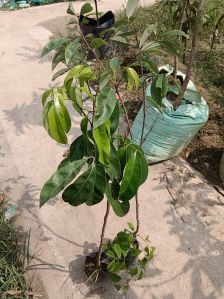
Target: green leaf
(127, 150)
(60, 179)
(105, 78)
(71, 10)
(63, 163)
(84, 125)
(59, 73)
(45, 96)
(144, 167)
(114, 277)
(133, 79)
(86, 8)
(154, 103)
(117, 250)
(175, 33)
(54, 44)
(152, 66)
(119, 266)
(59, 57)
(102, 138)
(80, 147)
(150, 46)
(131, 178)
(52, 123)
(105, 104)
(148, 31)
(62, 111)
(131, 6)
(123, 40)
(119, 208)
(116, 62)
(71, 50)
(111, 254)
(99, 187)
(124, 31)
(97, 42)
(82, 189)
(114, 169)
(114, 119)
(156, 90)
(75, 95)
(171, 46)
(131, 226)
(78, 72)
(159, 88)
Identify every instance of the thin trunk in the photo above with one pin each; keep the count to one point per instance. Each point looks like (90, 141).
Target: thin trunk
(143, 128)
(185, 50)
(97, 13)
(193, 51)
(182, 13)
(102, 234)
(137, 215)
(214, 33)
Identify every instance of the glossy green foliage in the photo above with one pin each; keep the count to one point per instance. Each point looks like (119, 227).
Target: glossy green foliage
(82, 189)
(102, 139)
(53, 45)
(126, 260)
(115, 168)
(105, 105)
(60, 179)
(56, 118)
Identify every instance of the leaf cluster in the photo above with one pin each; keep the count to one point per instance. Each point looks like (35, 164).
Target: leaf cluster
(126, 259)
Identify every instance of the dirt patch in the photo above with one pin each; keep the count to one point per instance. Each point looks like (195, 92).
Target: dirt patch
(205, 150)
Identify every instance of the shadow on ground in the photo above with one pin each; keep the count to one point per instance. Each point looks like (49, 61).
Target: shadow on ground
(199, 230)
(25, 115)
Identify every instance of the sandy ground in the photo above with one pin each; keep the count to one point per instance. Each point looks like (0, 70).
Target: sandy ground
(181, 213)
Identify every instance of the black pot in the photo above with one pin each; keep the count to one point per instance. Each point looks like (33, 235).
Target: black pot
(91, 262)
(106, 21)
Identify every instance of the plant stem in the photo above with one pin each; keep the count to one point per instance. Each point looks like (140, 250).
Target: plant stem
(193, 51)
(97, 13)
(143, 128)
(143, 89)
(102, 234)
(184, 6)
(137, 215)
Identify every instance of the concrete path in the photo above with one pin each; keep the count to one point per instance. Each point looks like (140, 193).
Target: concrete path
(182, 215)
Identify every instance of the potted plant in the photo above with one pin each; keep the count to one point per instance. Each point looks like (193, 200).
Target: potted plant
(184, 109)
(102, 162)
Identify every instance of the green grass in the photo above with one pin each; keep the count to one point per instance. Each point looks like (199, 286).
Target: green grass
(11, 258)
